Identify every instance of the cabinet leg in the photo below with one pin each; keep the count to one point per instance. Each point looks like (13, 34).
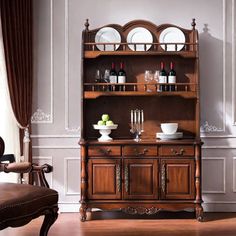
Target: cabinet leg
(83, 212)
(199, 213)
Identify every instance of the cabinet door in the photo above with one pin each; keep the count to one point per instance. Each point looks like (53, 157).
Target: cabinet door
(177, 179)
(104, 179)
(140, 179)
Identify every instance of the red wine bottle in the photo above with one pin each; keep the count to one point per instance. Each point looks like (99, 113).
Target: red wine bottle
(162, 78)
(172, 77)
(121, 79)
(113, 76)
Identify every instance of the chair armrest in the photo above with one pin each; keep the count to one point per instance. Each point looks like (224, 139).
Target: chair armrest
(27, 167)
(21, 167)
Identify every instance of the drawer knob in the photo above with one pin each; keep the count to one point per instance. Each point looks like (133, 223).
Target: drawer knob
(180, 153)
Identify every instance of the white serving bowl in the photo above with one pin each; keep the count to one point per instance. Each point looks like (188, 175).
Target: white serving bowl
(169, 128)
(105, 130)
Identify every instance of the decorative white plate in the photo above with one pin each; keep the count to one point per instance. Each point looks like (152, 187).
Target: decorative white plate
(163, 136)
(139, 35)
(107, 35)
(172, 35)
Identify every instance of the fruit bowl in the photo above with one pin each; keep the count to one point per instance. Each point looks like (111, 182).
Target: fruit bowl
(105, 130)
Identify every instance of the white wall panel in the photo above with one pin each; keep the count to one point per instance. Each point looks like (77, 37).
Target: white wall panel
(72, 176)
(213, 173)
(58, 25)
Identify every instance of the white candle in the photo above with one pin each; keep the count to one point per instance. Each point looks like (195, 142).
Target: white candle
(132, 117)
(135, 120)
(138, 116)
(142, 117)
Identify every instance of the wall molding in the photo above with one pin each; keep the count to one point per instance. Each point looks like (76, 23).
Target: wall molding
(46, 158)
(56, 147)
(39, 116)
(54, 136)
(217, 136)
(45, 117)
(66, 172)
(233, 64)
(67, 126)
(224, 175)
(206, 127)
(218, 147)
(234, 174)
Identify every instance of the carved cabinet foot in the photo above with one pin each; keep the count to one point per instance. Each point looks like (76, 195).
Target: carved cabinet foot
(199, 213)
(83, 213)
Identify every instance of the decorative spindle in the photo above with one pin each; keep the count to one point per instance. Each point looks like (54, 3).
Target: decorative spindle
(193, 24)
(86, 24)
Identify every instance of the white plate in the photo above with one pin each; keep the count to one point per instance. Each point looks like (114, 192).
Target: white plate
(107, 35)
(163, 136)
(139, 35)
(172, 35)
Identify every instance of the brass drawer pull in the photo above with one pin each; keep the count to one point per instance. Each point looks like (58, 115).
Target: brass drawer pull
(180, 153)
(105, 152)
(126, 178)
(137, 153)
(118, 179)
(163, 178)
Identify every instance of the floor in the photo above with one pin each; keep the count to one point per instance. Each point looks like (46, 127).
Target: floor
(112, 224)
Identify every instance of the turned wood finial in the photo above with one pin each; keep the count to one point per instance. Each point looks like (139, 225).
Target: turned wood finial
(86, 24)
(193, 23)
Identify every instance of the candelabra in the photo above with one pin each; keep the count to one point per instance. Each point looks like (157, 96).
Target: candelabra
(137, 120)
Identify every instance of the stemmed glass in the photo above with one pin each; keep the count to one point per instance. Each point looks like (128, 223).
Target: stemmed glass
(148, 77)
(156, 78)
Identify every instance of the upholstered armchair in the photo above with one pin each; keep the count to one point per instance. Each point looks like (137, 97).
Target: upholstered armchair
(20, 203)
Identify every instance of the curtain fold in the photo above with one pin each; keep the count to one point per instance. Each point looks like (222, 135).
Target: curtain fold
(17, 21)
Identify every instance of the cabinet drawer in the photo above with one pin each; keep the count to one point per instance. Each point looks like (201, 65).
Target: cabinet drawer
(140, 151)
(101, 151)
(177, 150)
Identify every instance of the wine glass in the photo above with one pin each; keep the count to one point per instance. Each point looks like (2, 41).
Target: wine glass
(148, 77)
(156, 78)
(98, 76)
(106, 75)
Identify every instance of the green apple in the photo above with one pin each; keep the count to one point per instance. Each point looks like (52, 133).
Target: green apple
(105, 117)
(101, 122)
(109, 122)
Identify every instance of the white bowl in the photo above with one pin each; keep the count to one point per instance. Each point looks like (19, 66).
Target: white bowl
(169, 128)
(105, 130)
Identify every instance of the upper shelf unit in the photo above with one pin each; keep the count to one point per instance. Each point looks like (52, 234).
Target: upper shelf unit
(128, 40)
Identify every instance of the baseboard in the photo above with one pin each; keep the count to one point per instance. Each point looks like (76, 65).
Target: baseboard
(68, 207)
(219, 207)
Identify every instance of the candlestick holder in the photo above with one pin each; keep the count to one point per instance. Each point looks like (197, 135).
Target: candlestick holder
(137, 120)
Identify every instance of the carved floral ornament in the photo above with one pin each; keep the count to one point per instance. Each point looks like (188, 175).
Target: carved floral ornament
(40, 116)
(141, 210)
(207, 128)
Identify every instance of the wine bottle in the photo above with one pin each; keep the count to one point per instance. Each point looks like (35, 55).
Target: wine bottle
(172, 77)
(121, 77)
(113, 76)
(162, 78)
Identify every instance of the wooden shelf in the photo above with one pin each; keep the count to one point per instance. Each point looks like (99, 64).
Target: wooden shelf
(184, 54)
(96, 94)
(184, 141)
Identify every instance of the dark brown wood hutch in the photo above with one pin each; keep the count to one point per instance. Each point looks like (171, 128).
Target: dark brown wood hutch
(150, 175)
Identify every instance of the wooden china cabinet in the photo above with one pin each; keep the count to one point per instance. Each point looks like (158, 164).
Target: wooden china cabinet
(150, 175)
